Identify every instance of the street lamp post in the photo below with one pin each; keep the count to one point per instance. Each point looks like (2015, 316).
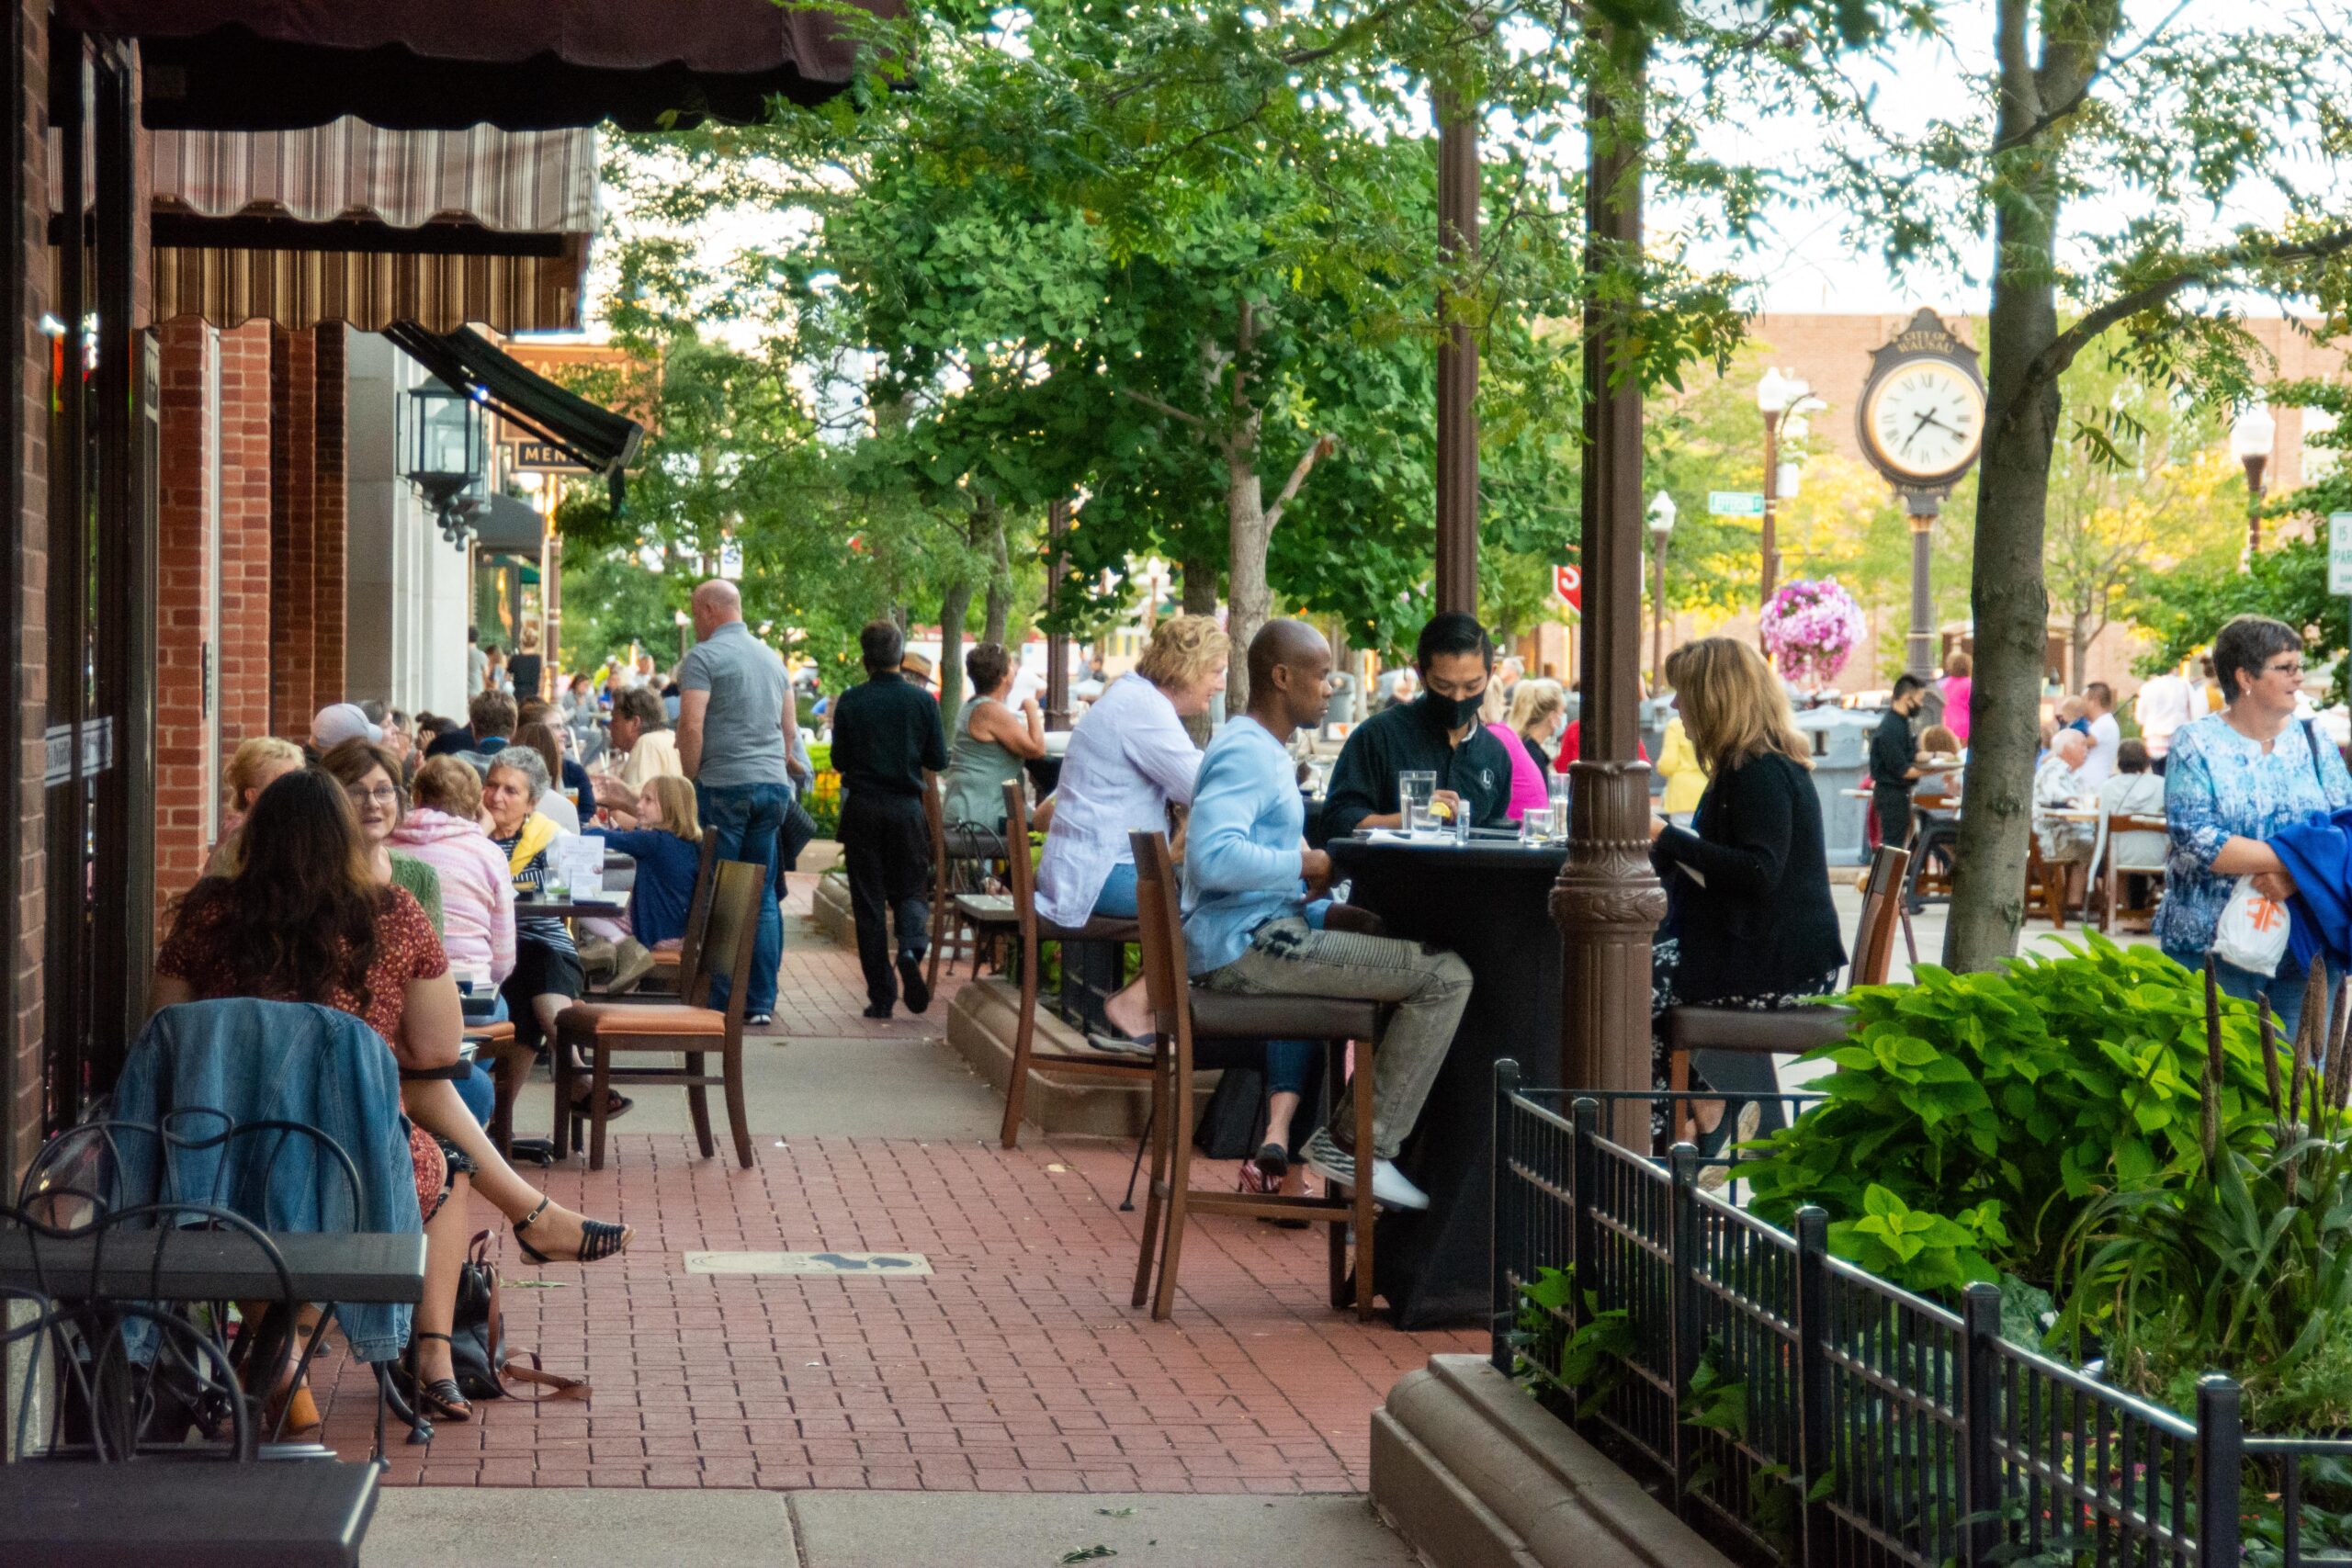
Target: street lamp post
(1920, 659)
(1662, 511)
(2250, 441)
(1776, 392)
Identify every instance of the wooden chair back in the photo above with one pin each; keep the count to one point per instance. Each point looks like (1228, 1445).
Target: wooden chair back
(935, 817)
(698, 910)
(1160, 914)
(733, 927)
(1020, 870)
(1881, 909)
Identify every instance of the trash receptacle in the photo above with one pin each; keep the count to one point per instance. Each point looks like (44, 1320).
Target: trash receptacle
(1841, 739)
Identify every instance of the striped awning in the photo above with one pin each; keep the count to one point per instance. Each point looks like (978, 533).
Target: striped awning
(347, 221)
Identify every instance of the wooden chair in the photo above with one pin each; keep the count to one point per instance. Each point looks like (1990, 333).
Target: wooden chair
(2113, 868)
(1184, 1016)
(1789, 1032)
(1035, 931)
(967, 921)
(684, 1027)
(1928, 878)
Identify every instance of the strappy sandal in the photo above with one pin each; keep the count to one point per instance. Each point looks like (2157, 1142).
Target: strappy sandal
(441, 1396)
(599, 1239)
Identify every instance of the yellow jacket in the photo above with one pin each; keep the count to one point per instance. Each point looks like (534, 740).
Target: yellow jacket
(1678, 763)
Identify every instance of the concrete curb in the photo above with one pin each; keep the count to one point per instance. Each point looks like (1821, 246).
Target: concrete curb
(830, 910)
(1474, 1474)
(981, 1022)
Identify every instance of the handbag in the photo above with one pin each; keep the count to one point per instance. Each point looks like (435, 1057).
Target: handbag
(799, 828)
(478, 1350)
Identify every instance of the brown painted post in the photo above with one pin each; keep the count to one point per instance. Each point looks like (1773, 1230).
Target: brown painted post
(1057, 641)
(1607, 901)
(1457, 360)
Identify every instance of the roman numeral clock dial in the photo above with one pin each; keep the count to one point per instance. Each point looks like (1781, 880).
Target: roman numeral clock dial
(1924, 420)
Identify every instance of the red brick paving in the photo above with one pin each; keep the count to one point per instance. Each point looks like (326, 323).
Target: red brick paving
(1019, 1366)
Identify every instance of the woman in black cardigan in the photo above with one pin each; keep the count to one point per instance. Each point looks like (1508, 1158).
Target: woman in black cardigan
(1749, 922)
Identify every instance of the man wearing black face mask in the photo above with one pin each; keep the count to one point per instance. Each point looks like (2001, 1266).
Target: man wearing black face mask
(1437, 733)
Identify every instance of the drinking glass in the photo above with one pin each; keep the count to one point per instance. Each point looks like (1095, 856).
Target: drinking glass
(1536, 826)
(1414, 793)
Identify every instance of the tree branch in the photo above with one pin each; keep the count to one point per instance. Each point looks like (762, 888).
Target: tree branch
(2054, 360)
(1195, 420)
(1324, 447)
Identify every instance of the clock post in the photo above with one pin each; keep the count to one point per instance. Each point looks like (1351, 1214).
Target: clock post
(1921, 421)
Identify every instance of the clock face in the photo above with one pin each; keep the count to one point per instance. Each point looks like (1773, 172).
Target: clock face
(1926, 419)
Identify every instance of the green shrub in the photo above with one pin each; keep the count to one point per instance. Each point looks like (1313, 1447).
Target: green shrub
(1973, 1117)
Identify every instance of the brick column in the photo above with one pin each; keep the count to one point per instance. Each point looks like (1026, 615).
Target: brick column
(293, 501)
(330, 512)
(245, 528)
(31, 280)
(187, 536)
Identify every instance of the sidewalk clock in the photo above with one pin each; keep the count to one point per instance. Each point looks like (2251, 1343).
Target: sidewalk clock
(1922, 412)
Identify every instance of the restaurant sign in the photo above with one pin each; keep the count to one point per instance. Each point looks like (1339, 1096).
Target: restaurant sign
(1567, 585)
(2339, 553)
(98, 752)
(546, 457)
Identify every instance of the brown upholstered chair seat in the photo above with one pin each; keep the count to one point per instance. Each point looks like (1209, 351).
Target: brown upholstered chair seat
(1219, 1016)
(589, 1020)
(1780, 1032)
(670, 948)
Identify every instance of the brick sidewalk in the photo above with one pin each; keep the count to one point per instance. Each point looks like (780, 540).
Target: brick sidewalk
(1018, 1366)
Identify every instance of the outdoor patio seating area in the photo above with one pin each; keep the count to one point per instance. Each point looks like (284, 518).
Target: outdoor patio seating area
(1016, 1364)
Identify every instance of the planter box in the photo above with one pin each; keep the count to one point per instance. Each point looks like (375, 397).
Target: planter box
(981, 1025)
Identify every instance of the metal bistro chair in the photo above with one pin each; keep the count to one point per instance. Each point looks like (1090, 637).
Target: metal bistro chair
(1035, 931)
(1789, 1032)
(1184, 1015)
(966, 920)
(684, 1027)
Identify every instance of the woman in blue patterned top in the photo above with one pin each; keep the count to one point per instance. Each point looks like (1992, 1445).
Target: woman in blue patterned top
(2235, 779)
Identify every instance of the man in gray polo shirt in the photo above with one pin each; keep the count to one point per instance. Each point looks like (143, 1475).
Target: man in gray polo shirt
(734, 714)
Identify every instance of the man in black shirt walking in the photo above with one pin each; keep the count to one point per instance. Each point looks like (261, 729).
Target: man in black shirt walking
(1894, 759)
(1439, 732)
(886, 733)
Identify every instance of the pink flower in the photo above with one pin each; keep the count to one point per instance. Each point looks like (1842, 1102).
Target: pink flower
(1810, 628)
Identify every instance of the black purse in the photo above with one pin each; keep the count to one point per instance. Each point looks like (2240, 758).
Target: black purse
(477, 1352)
(799, 828)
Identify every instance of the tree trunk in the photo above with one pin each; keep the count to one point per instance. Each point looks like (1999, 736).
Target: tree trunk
(1248, 599)
(2079, 633)
(2006, 588)
(1200, 585)
(955, 604)
(1000, 600)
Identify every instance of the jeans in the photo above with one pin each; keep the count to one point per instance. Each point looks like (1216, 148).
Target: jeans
(1117, 900)
(2285, 988)
(478, 1092)
(1429, 987)
(749, 822)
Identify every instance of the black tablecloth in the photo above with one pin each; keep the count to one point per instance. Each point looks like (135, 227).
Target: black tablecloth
(1489, 904)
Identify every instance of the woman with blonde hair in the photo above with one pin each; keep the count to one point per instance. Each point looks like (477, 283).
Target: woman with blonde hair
(1529, 768)
(668, 851)
(1127, 763)
(1749, 922)
(254, 765)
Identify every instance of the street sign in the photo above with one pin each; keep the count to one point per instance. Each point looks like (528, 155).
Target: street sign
(1734, 504)
(1567, 582)
(2339, 553)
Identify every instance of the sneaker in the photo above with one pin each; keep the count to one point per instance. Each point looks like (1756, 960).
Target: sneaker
(1120, 1045)
(877, 1010)
(1333, 1163)
(912, 981)
(758, 1019)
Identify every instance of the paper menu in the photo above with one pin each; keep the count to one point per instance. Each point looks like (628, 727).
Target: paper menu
(579, 862)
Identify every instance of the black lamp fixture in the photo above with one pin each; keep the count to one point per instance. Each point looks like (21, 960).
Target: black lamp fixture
(446, 456)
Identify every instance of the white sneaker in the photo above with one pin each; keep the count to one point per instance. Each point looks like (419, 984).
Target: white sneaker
(1390, 1189)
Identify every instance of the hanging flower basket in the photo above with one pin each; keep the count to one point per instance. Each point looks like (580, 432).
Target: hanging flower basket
(1810, 628)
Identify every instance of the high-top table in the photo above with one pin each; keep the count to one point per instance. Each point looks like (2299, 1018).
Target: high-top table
(1488, 901)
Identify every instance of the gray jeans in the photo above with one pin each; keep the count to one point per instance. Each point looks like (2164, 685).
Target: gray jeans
(1428, 987)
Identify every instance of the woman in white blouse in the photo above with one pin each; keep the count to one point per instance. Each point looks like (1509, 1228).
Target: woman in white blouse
(1127, 764)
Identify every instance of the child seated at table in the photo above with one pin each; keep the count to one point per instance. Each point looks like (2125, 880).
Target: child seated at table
(668, 851)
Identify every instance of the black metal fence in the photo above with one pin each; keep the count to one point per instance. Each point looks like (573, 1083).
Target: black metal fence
(1808, 1412)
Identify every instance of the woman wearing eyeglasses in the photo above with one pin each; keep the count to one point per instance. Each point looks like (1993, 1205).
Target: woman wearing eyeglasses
(2236, 779)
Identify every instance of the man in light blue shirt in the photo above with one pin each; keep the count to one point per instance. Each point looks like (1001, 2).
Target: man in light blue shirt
(1249, 930)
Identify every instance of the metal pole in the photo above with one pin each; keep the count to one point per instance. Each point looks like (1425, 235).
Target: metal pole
(1771, 541)
(1057, 641)
(1658, 609)
(2253, 470)
(1920, 658)
(1607, 901)
(1457, 360)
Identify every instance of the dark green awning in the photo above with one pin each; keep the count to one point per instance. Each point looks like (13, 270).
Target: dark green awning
(598, 439)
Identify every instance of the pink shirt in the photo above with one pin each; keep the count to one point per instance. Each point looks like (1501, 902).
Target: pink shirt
(1527, 787)
(477, 887)
(1957, 689)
